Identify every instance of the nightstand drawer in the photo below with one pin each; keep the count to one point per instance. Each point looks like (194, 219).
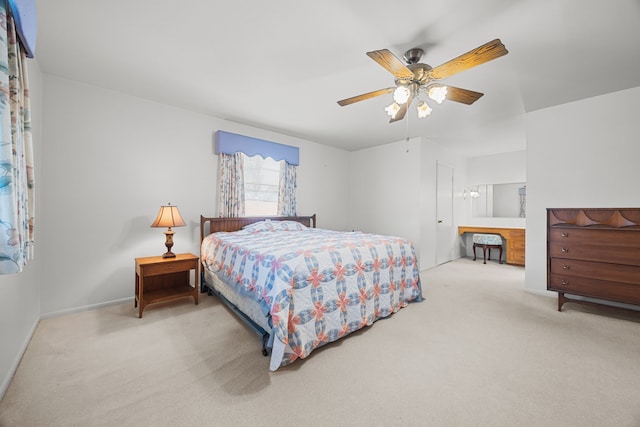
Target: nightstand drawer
(168, 267)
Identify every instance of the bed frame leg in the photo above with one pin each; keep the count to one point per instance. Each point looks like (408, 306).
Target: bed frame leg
(265, 340)
(203, 286)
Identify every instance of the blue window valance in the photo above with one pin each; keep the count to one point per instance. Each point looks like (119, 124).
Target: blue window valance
(24, 15)
(230, 143)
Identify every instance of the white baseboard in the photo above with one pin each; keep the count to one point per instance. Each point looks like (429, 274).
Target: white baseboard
(86, 308)
(541, 292)
(4, 386)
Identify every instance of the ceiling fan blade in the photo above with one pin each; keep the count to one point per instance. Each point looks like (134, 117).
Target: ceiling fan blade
(391, 63)
(401, 112)
(488, 51)
(365, 96)
(464, 96)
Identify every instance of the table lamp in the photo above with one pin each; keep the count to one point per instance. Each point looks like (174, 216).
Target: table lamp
(168, 217)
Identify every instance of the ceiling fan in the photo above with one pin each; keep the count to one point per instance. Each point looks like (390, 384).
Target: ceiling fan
(415, 77)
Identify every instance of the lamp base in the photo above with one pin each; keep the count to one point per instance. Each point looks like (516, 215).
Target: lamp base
(169, 244)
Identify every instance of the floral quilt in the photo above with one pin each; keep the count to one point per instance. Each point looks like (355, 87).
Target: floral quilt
(317, 285)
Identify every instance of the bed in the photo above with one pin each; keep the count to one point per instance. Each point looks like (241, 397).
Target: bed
(301, 287)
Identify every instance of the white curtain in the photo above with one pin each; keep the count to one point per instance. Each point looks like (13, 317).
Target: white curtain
(16, 152)
(287, 190)
(230, 185)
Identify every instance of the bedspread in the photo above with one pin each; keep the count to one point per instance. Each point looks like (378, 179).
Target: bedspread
(318, 285)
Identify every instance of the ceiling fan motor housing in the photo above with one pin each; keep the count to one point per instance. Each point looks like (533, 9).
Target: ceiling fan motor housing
(412, 56)
(420, 77)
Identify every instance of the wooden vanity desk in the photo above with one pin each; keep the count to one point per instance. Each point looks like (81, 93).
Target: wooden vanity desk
(515, 238)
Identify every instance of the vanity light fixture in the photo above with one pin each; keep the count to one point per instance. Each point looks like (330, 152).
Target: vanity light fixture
(473, 193)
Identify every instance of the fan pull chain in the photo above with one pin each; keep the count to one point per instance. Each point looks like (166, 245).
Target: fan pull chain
(407, 129)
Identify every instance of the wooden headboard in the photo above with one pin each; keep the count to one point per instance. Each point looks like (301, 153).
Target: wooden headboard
(213, 225)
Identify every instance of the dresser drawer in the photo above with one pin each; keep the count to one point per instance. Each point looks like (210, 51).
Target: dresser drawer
(622, 238)
(516, 247)
(516, 234)
(592, 252)
(607, 290)
(516, 244)
(516, 258)
(168, 267)
(615, 246)
(596, 270)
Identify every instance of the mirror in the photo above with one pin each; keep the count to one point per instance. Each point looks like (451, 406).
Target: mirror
(500, 200)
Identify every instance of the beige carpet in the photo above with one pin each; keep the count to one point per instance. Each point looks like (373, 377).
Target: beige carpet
(479, 351)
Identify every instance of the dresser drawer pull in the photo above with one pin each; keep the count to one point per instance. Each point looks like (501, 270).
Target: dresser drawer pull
(565, 250)
(565, 267)
(565, 282)
(564, 235)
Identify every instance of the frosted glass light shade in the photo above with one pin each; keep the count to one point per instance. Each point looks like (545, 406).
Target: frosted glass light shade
(401, 94)
(392, 110)
(438, 93)
(423, 109)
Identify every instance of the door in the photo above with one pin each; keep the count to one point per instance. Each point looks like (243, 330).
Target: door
(444, 213)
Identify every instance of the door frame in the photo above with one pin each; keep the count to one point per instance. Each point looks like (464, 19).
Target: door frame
(444, 243)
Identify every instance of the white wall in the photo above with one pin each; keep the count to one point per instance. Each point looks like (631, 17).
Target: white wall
(20, 293)
(500, 168)
(111, 160)
(393, 191)
(384, 184)
(584, 155)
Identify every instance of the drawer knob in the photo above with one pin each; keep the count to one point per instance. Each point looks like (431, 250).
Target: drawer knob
(565, 267)
(565, 250)
(565, 282)
(564, 234)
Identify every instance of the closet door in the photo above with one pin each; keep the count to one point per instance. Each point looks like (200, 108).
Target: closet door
(444, 214)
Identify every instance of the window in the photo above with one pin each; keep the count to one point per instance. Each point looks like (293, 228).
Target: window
(270, 185)
(261, 186)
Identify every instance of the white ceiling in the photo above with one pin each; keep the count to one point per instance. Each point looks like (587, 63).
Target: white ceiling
(281, 65)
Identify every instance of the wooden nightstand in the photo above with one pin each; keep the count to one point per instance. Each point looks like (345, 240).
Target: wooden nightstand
(165, 279)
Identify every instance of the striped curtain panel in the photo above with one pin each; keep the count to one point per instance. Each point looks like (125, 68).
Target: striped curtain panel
(287, 193)
(230, 185)
(16, 152)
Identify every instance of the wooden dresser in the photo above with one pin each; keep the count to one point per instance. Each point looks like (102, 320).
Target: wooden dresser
(594, 253)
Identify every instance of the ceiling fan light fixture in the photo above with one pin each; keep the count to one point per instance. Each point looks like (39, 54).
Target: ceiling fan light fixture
(438, 93)
(392, 110)
(423, 109)
(414, 77)
(401, 94)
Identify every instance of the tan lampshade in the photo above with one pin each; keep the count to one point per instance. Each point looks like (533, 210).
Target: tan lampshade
(168, 217)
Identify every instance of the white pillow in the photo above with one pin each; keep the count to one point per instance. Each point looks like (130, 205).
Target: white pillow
(268, 225)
